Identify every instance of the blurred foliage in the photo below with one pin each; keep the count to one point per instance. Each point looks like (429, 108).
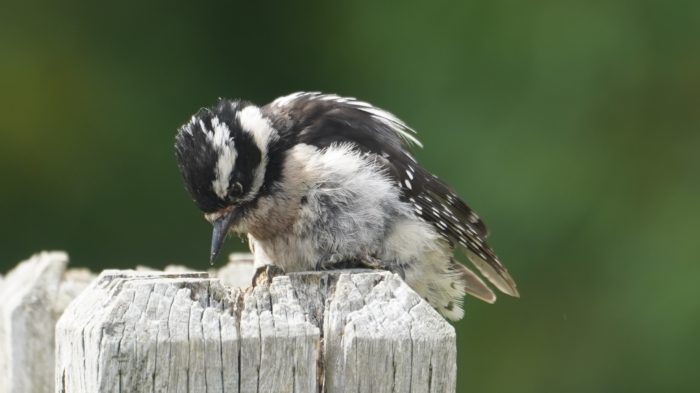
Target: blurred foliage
(572, 127)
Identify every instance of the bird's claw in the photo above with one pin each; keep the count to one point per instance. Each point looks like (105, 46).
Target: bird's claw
(264, 274)
(371, 262)
(337, 263)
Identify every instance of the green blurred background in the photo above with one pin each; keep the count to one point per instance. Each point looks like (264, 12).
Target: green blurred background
(573, 128)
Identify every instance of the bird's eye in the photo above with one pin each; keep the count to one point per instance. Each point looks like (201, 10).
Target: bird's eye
(236, 190)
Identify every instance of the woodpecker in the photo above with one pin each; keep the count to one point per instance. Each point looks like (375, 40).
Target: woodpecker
(319, 181)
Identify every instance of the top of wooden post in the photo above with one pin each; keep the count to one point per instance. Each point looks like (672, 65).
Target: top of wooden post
(335, 331)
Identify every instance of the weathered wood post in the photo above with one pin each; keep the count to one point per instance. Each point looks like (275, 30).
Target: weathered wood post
(32, 297)
(341, 331)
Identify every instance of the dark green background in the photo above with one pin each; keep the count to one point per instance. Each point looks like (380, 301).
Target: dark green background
(572, 127)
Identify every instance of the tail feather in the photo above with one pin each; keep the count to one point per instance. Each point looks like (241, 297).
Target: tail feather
(496, 273)
(474, 286)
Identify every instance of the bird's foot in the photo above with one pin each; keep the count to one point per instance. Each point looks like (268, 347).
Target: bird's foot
(334, 262)
(371, 262)
(264, 274)
(330, 262)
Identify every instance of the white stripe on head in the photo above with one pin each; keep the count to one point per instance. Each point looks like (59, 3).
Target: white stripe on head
(220, 140)
(253, 122)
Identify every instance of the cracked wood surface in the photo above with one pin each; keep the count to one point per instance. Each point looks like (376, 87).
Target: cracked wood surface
(338, 331)
(34, 294)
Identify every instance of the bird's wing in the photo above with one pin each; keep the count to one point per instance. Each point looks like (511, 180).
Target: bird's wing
(323, 119)
(435, 202)
(328, 118)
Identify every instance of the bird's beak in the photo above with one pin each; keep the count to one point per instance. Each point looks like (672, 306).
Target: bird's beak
(221, 225)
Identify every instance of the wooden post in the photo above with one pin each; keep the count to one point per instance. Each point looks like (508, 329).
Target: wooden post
(32, 297)
(340, 331)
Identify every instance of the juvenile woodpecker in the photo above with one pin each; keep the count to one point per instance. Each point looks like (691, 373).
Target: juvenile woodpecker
(319, 181)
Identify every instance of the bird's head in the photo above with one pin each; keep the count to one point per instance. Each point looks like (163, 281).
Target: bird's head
(222, 156)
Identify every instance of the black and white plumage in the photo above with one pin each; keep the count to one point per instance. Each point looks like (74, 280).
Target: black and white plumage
(318, 181)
